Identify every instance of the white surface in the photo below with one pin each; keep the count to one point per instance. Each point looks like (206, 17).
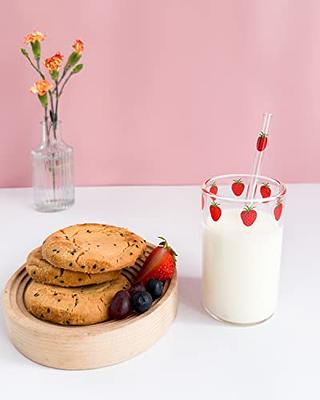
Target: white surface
(199, 357)
(241, 266)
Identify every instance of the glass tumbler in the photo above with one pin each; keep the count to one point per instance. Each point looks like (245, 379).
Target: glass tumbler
(242, 241)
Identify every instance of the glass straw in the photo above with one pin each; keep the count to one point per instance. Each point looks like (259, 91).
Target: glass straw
(260, 147)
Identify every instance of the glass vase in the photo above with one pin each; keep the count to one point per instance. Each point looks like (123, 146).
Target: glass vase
(52, 171)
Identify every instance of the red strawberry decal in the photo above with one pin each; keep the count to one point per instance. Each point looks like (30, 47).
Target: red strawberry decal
(237, 187)
(278, 211)
(215, 211)
(248, 215)
(214, 189)
(160, 263)
(202, 202)
(265, 190)
(262, 141)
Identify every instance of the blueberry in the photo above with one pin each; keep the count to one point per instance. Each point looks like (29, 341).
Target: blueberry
(155, 288)
(137, 287)
(141, 301)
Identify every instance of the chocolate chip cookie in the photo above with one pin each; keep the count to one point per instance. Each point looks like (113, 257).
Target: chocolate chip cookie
(43, 272)
(93, 248)
(73, 306)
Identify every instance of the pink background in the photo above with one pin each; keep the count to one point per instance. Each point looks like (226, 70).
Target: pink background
(172, 90)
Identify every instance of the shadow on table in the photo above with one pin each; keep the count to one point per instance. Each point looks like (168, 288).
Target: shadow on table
(190, 297)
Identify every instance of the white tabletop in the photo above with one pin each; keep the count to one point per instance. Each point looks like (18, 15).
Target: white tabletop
(198, 356)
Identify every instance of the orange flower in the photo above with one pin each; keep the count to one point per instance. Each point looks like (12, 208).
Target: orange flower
(53, 63)
(33, 37)
(78, 46)
(41, 87)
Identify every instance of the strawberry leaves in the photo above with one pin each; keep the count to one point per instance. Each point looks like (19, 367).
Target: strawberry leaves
(164, 243)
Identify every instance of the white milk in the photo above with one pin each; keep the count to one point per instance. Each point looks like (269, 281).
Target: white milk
(241, 267)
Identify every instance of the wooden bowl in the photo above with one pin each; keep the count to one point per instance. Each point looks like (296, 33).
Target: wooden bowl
(85, 347)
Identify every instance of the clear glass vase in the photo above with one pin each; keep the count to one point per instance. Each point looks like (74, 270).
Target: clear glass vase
(52, 171)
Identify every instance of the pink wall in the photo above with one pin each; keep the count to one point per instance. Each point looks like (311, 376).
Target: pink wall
(172, 90)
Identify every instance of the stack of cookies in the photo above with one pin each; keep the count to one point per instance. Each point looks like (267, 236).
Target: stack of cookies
(77, 271)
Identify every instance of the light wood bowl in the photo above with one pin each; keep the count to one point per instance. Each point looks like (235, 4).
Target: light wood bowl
(85, 347)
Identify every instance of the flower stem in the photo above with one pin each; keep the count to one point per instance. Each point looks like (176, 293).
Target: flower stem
(51, 103)
(52, 115)
(65, 82)
(35, 67)
(53, 167)
(46, 122)
(57, 99)
(63, 74)
(53, 175)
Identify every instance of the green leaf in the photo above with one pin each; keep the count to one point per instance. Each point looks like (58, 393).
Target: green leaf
(43, 100)
(54, 75)
(77, 68)
(73, 59)
(36, 49)
(24, 52)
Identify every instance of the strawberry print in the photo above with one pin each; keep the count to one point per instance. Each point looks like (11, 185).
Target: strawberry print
(265, 190)
(215, 211)
(278, 211)
(262, 141)
(237, 187)
(248, 215)
(213, 189)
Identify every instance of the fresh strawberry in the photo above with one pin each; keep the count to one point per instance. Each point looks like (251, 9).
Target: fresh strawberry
(215, 211)
(262, 141)
(278, 211)
(265, 190)
(237, 187)
(160, 263)
(214, 189)
(248, 215)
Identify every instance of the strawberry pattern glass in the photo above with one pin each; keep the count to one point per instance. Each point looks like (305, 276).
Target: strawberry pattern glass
(242, 240)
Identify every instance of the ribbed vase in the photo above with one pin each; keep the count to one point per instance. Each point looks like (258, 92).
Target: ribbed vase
(52, 171)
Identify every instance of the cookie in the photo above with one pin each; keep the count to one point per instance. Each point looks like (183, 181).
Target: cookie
(72, 306)
(93, 248)
(43, 272)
